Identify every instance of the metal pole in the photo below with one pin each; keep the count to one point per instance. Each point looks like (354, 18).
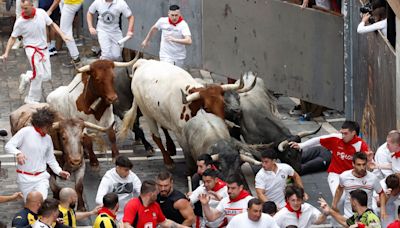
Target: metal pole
(348, 60)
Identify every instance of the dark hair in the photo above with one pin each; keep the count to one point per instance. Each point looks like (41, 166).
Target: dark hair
(164, 175)
(148, 186)
(352, 126)
(361, 197)
(294, 190)
(269, 153)
(359, 155)
(270, 208)
(235, 178)
(291, 226)
(398, 210)
(206, 158)
(43, 117)
(392, 181)
(210, 173)
(123, 161)
(174, 7)
(254, 201)
(379, 12)
(48, 206)
(110, 200)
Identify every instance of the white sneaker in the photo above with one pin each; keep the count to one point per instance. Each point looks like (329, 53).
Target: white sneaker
(17, 44)
(23, 82)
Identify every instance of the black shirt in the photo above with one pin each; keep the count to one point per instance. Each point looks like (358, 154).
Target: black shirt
(24, 218)
(167, 206)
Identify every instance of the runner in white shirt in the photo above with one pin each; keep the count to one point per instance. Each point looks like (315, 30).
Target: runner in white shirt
(175, 34)
(270, 181)
(234, 204)
(122, 181)
(296, 212)
(253, 217)
(32, 27)
(34, 151)
(356, 178)
(391, 188)
(217, 190)
(393, 146)
(108, 30)
(382, 157)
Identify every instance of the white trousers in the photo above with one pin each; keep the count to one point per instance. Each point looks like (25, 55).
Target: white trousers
(333, 182)
(27, 183)
(43, 73)
(110, 48)
(67, 18)
(176, 62)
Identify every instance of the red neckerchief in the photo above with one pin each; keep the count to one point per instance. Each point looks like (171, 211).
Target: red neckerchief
(213, 167)
(396, 154)
(177, 22)
(298, 212)
(38, 130)
(42, 58)
(108, 212)
(29, 17)
(220, 184)
(243, 194)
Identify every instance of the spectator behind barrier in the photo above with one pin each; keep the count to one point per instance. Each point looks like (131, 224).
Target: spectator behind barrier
(373, 21)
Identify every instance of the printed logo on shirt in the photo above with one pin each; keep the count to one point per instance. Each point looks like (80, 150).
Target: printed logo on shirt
(233, 211)
(154, 215)
(283, 176)
(108, 17)
(344, 156)
(121, 188)
(148, 225)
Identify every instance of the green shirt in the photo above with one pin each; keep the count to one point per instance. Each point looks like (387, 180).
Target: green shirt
(367, 218)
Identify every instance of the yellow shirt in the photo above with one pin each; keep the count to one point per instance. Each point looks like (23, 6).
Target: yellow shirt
(103, 220)
(73, 2)
(68, 216)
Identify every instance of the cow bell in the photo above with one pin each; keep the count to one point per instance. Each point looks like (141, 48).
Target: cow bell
(95, 104)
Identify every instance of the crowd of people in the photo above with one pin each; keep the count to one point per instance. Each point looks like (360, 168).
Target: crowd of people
(365, 185)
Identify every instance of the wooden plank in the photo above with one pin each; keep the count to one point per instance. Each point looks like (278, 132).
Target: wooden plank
(395, 5)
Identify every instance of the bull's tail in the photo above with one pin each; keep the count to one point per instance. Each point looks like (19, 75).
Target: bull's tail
(128, 121)
(137, 64)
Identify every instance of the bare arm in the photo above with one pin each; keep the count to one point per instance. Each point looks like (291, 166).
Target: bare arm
(261, 194)
(336, 198)
(210, 213)
(149, 35)
(86, 214)
(127, 225)
(187, 40)
(186, 211)
(89, 20)
(383, 199)
(58, 30)
(171, 224)
(15, 196)
(131, 22)
(10, 43)
(321, 219)
(326, 210)
(53, 7)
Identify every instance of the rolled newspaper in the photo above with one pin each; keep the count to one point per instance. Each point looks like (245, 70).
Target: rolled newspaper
(189, 179)
(122, 41)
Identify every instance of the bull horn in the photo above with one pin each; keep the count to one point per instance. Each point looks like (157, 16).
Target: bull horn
(215, 157)
(58, 152)
(228, 87)
(282, 145)
(231, 124)
(260, 146)
(307, 133)
(245, 90)
(85, 68)
(250, 160)
(94, 126)
(130, 63)
(56, 125)
(189, 98)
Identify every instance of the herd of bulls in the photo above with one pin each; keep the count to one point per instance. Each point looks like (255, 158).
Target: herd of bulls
(231, 122)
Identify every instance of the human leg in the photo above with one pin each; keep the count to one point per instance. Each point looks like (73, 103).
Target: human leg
(67, 17)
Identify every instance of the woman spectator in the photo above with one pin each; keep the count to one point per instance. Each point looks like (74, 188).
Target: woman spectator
(374, 21)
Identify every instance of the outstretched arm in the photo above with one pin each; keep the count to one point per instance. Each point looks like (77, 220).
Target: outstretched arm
(149, 35)
(10, 43)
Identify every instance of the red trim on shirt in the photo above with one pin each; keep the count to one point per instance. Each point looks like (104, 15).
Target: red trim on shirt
(177, 22)
(243, 194)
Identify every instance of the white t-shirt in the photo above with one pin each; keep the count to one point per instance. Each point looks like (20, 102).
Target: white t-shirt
(243, 221)
(274, 183)
(395, 164)
(194, 197)
(392, 203)
(109, 14)
(380, 25)
(383, 156)
(309, 215)
(368, 183)
(33, 30)
(234, 208)
(169, 49)
(126, 188)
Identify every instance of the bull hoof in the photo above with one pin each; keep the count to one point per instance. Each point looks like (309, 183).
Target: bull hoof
(150, 152)
(170, 167)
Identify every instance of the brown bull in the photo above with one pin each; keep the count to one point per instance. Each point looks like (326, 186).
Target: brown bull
(67, 136)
